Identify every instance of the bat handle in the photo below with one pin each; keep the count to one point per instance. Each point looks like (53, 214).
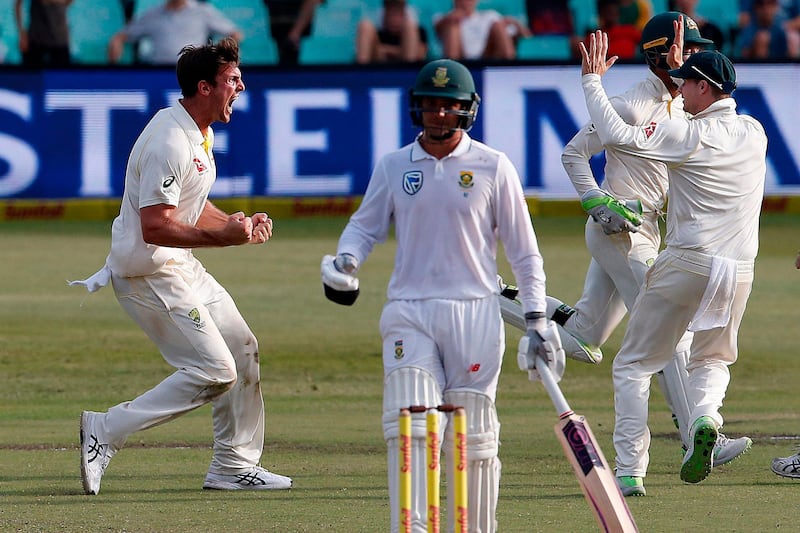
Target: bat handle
(552, 388)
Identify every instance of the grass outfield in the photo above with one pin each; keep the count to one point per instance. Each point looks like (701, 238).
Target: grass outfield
(62, 351)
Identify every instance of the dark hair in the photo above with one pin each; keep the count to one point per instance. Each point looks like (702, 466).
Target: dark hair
(202, 63)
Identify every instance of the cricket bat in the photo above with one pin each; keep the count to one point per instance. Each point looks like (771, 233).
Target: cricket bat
(595, 477)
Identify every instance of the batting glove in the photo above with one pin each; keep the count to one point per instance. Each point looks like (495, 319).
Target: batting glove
(613, 215)
(540, 345)
(338, 278)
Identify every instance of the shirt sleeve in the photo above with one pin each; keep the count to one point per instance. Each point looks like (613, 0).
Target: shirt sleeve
(671, 141)
(519, 240)
(218, 23)
(369, 225)
(575, 158)
(161, 175)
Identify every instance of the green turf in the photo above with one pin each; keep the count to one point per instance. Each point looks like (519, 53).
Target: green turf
(62, 351)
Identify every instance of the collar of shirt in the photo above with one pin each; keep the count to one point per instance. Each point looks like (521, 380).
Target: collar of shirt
(720, 107)
(418, 152)
(659, 91)
(188, 125)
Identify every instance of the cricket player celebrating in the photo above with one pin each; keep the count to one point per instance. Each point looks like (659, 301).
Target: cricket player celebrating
(191, 318)
(716, 162)
(625, 242)
(451, 200)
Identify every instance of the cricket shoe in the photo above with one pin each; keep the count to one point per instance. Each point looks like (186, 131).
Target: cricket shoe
(95, 455)
(631, 486)
(726, 450)
(787, 466)
(256, 478)
(699, 458)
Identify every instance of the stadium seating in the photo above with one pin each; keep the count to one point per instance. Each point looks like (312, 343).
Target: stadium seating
(9, 39)
(584, 15)
(252, 18)
(92, 23)
(544, 48)
(327, 49)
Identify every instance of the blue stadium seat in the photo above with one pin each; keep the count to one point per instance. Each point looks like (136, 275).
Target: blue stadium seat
(92, 23)
(584, 15)
(337, 20)
(252, 18)
(326, 49)
(544, 48)
(9, 38)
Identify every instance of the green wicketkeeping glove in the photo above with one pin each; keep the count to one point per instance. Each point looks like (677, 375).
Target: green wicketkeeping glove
(613, 215)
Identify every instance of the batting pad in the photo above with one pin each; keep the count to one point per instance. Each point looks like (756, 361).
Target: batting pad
(402, 388)
(483, 465)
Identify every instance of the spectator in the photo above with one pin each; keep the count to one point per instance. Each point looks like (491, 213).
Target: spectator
(789, 11)
(398, 38)
(170, 27)
(46, 41)
(623, 39)
(769, 35)
(290, 21)
(550, 17)
(708, 29)
(467, 32)
(635, 12)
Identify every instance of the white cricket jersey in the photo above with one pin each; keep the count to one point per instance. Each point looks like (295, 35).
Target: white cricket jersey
(448, 216)
(717, 167)
(627, 176)
(168, 165)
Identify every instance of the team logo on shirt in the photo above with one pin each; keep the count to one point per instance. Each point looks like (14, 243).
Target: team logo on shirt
(650, 129)
(398, 349)
(167, 182)
(201, 167)
(194, 314)
(466, 179)
(412, 182)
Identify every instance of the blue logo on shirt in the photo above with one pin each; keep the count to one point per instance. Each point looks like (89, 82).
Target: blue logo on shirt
(412, 181)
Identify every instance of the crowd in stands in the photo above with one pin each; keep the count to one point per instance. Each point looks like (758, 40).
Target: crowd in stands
(290, 32)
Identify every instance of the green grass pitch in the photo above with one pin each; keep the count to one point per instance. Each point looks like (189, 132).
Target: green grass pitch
(62, 351)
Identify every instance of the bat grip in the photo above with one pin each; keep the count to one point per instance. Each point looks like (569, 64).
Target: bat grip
(552, 388)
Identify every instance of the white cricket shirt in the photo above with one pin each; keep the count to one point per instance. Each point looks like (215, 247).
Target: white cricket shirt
(449, 215)
(717, 167)
(627, 176)
(168, 165)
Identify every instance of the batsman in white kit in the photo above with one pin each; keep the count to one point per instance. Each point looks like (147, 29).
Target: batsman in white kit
(716, 165)
(452, 200)
(192, 319)
(622, 232)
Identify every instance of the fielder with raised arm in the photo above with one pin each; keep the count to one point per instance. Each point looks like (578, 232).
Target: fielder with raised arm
(452, 200)
(624, 244)
(716, 163)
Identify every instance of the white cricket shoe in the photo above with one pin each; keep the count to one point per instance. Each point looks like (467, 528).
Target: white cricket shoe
(256, 478)
(726, 450)
(95, 455)
(787, 466)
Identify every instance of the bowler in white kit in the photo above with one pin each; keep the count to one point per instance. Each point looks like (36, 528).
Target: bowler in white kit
(190, 317)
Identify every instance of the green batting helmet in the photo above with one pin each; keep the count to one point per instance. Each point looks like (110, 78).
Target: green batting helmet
(658, 34)
(445, 78)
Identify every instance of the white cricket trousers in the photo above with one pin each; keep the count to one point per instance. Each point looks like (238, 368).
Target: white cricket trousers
(666, 304)
(199, 331)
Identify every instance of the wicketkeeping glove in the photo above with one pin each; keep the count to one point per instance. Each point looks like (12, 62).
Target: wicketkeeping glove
(613, 215)
(338, 278)
(541, 344)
